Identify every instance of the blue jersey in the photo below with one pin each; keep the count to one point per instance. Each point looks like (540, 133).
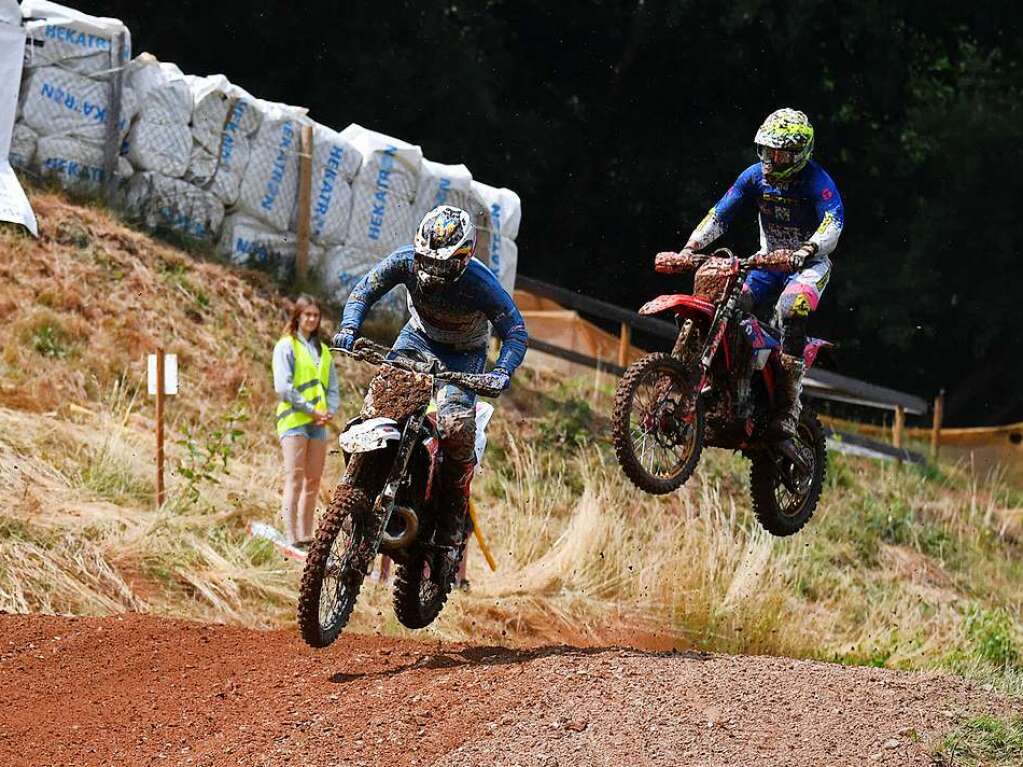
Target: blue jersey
(457, 315)
(806, 209)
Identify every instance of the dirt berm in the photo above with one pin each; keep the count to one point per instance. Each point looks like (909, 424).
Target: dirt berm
(137, 690)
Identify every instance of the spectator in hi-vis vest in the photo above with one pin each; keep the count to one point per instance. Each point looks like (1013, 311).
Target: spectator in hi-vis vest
(306, 383)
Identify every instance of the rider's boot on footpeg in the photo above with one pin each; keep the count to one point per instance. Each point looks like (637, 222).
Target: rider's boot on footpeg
(787, 406)
(453, 486)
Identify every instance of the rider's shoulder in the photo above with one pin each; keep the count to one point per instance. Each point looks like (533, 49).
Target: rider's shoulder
(478, 273)
(754, 174)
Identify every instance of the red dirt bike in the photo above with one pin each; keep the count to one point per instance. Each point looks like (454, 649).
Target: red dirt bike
(717, 388)
(386, 501)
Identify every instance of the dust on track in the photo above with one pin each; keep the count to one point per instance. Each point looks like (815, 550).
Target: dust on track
(143, 690)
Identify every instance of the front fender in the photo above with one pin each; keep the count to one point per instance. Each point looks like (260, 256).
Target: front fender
(364, 436)
(682, 304)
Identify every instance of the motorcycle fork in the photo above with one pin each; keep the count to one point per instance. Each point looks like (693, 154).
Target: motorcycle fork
(383, 507)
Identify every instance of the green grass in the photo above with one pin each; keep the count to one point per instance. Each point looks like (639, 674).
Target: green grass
(983, 741)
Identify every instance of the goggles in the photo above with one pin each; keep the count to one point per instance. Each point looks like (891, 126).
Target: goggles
(777, 157)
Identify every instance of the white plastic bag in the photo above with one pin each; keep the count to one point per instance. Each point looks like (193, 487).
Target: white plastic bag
(383, 213)
(160, 138)
(498, 213)
(23, 146)
(223, 121)
(269, 187)
(72, 40)
(76, 164)
(443, 185)
(159, 201)
(248, 242)
(334, 166)
(56, 102)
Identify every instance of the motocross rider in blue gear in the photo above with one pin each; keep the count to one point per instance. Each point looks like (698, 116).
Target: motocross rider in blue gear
(453, 300)
(800, 211)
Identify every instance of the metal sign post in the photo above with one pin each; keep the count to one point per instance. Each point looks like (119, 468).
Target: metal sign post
(162, 380)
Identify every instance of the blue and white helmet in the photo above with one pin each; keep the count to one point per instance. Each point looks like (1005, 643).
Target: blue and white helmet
(445, 243)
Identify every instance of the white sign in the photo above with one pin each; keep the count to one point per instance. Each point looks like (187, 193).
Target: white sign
(14, 206)
(170, 374)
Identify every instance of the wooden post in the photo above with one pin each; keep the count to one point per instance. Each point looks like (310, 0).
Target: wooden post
(898, 428)
(624, 342)
(159, 428)
(305, 186)
(939, 408)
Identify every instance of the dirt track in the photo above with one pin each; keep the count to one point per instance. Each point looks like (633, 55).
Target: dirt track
(140, 690)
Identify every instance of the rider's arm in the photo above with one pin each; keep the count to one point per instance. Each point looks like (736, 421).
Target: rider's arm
(389, 273)
(284, 374)
(830, 214)
(718, 218)
(500, 309)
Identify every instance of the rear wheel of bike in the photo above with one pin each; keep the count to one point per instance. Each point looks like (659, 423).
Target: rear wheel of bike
(657, 424)
(785, 497)
(420, 592)
(334, 567)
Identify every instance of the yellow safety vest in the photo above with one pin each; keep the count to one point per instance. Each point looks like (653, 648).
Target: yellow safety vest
(311, 381)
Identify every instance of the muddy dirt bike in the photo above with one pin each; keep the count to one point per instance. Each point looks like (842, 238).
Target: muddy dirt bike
(386, 501)
(716, 388)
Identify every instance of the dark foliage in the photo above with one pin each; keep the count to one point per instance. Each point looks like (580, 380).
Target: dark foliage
(621, 121)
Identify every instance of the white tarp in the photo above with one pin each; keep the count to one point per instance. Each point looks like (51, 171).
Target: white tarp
(160, 138)
(72, 40)
(223, 122)
(443, 185)
(23, 146)
(76, 164)
(335, 164)
(269, 190)
(383, 213)
(159, 201)
(14, 206)
(248, 242)
(58, 102)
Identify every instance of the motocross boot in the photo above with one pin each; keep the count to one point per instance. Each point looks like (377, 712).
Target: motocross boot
(453, 487)
(785, 419)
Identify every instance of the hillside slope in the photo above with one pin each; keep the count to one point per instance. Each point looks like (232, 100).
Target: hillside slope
(899, 568)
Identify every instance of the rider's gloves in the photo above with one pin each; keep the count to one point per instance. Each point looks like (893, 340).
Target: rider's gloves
(344, 339)
(803, 254)
(498, 379)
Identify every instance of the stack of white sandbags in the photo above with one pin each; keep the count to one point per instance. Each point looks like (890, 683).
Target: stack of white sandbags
(66, 94)
(224, 120)
(160, 139)
(497, 213)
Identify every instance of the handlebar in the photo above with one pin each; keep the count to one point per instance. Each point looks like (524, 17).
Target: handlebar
(377, 354)
(677, 263)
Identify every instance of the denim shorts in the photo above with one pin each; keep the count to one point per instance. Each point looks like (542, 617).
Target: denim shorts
(308, 430)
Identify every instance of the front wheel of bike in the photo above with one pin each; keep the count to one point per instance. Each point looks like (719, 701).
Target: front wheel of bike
(657, 424)
(784, 495)
(334, 567)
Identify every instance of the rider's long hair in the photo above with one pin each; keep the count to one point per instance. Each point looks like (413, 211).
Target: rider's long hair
(303, 302)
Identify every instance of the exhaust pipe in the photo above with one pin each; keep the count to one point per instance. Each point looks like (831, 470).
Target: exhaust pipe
(410, 527)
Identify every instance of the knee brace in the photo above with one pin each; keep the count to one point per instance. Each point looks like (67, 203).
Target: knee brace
(458, 435)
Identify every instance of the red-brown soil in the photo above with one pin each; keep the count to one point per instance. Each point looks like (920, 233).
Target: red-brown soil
(138, 690)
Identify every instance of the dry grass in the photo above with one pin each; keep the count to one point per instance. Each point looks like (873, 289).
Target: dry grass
(898, 568)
